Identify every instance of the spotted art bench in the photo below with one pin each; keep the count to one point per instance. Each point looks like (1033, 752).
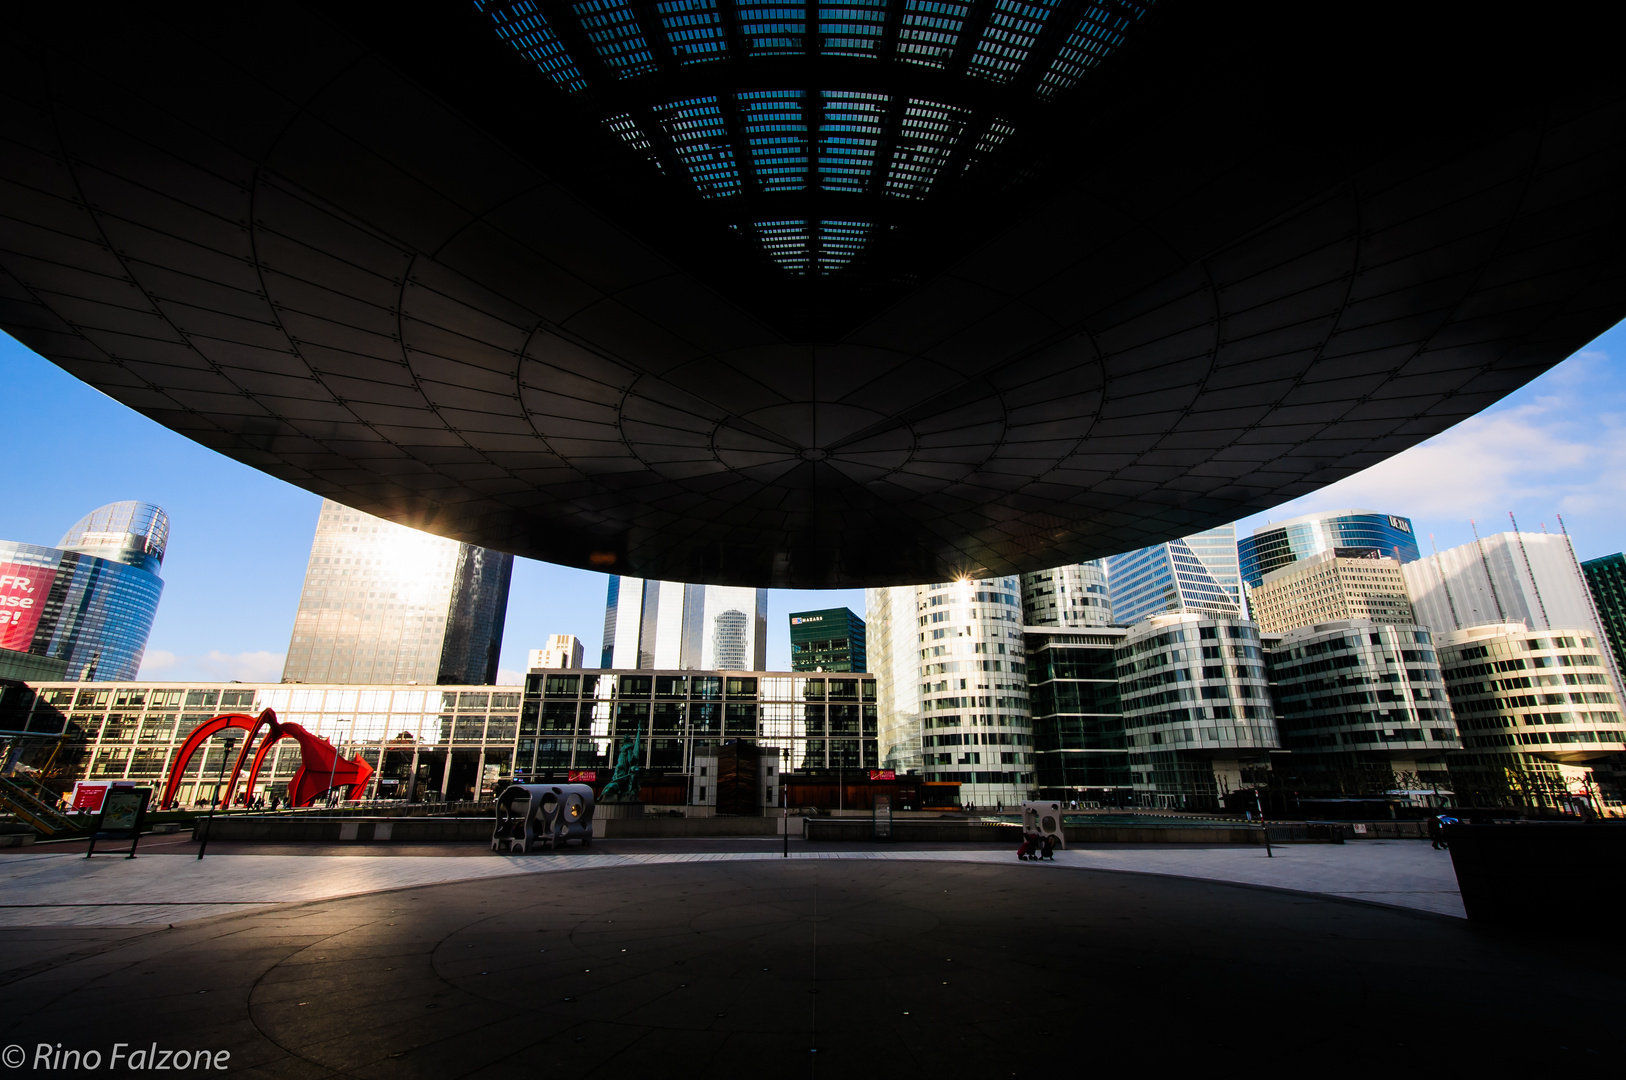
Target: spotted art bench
(548, 815)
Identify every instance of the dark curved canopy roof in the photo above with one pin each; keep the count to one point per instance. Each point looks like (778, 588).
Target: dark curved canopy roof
(813, 294)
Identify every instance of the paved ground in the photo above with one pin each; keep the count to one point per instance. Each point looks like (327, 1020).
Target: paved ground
(166, 885)
(815, 967)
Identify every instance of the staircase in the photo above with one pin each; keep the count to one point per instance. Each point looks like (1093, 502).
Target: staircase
(42, 816)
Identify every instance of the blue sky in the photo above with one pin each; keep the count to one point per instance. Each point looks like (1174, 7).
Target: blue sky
(239, 538)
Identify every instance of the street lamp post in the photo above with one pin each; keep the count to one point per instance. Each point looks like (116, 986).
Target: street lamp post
(219, 779)
(331, 773)
(784, 797)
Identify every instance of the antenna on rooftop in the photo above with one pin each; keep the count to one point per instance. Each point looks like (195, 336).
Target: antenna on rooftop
(1528, 570)
(1501, 616)
(1456, 623)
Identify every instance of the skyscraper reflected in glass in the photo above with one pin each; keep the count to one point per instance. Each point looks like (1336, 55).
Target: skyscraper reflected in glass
(383, 603)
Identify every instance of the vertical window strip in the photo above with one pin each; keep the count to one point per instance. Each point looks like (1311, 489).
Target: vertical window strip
(523, 27)
(849, 135)
(776, 136)
(927, 136)
(1101, 31)
(701, 141)
(852, 27)
(1009, 37)
(613, 30)
(694, 30)
(930, 30)
(770, 29)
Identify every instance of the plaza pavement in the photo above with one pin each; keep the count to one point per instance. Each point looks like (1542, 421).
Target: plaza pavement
(168, 885)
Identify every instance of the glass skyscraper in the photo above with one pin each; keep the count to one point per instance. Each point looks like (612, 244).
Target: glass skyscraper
(383, 603)
(1606, 579)
(673, 626)
(1196, 574)
(831, 639)
(1282, 543)
(88, 603)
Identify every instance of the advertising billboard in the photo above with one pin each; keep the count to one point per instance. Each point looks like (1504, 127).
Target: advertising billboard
(23, 590)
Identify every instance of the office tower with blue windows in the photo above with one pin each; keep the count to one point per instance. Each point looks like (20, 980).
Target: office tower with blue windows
(1282, 543)
(84, 608)
(1195, 574)
(673, 626)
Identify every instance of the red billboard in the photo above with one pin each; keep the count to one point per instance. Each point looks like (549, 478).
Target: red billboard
(23, 590)
(883, 774)
(582, 776)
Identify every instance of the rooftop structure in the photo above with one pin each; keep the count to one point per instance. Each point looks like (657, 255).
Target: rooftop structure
(868, 293)
(563, 651)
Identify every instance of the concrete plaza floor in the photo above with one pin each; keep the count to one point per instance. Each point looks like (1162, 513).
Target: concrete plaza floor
(162, 886)
(695, 963)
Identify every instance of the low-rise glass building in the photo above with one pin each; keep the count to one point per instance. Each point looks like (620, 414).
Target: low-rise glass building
(1197, 709)
(452, 742)
(1362, 707)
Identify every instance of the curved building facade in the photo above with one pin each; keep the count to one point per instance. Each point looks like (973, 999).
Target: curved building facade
(1074, 595)
(89, 602)
(1197, 710)
(1283, 543)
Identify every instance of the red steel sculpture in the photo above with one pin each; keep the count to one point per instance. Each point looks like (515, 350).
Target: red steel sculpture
(321, 766)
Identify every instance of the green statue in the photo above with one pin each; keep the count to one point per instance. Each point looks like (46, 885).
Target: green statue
(624, 782)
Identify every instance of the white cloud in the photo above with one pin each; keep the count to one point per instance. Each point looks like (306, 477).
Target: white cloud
(510, 677)
(213, 666)
(1559, 444)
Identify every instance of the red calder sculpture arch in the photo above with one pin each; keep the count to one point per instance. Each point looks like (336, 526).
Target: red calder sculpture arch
(321, 766)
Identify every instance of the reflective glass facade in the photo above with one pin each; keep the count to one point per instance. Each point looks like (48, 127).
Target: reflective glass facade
(1173, 577)
(1282, 543)
(974, 721)
(1197, 709)
(1538, 712)
(383, 603)
(669, 624)
(1075, 595)
(88, 603)
(1365, 700)
(454, 740)
(1606, 580)
(1079, 747)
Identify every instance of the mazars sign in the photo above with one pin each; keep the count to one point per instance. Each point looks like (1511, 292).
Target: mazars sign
(23, 590)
